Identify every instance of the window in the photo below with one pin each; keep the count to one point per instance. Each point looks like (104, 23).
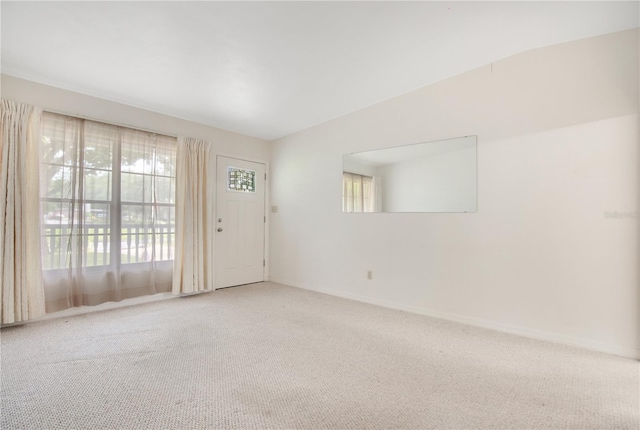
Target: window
(242, 180)
(107, 195)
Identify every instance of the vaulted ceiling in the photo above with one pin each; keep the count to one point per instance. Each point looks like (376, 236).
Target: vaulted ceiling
(268, 69)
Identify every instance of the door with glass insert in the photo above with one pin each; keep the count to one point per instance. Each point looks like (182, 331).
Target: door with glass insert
(240, 222)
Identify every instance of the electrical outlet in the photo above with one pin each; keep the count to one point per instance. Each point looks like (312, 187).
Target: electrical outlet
(369, 274)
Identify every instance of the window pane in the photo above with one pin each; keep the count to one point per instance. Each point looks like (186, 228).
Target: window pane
(163, 216)
(165, 158)
(131, 215)
(164, 193)
(57, 181)
(137, 151)
(137, 235)
(147, 236)
(96, 213)
(99, 140)
(242, 180)
(55, 213)
(51, 181)
(61, 139)
(136, 188)
(52, 245)
(132, 157)
(97, 185)
(96, 234)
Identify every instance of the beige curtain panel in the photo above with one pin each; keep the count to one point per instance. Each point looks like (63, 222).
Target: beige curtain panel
(20, 259)
(358, 193)
(193, 264)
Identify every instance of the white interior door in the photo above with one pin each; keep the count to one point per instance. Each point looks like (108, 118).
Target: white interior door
(240, 222)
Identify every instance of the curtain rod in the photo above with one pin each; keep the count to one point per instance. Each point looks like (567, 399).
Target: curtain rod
(108, 122)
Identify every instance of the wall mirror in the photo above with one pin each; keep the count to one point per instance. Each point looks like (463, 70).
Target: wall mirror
(439, 176)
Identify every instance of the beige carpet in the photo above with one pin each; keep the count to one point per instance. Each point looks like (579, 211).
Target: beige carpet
(271, 356)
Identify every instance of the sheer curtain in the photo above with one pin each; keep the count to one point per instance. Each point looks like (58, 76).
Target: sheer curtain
(20, 269)
(107, 204)
(193, 269)
(358, 193)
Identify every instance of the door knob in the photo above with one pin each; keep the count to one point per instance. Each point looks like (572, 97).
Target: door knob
(219, 229)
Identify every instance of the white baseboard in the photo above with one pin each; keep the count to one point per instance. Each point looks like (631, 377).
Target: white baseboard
(478, 322)
(106, 306)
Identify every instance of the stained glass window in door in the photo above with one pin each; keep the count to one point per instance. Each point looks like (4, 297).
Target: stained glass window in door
(242, 180)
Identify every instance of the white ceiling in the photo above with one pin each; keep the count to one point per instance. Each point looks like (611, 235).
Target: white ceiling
(268, 69)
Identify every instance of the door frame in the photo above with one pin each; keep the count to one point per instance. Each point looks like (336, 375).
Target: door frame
(267, 205)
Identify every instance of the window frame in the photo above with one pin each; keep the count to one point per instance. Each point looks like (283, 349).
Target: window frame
(113, 230)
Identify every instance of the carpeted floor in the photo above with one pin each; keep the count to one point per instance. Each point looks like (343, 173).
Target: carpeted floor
(272, 356)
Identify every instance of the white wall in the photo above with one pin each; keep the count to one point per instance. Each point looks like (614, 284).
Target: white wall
(444, 182)
(558, 147)
(71, 103)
